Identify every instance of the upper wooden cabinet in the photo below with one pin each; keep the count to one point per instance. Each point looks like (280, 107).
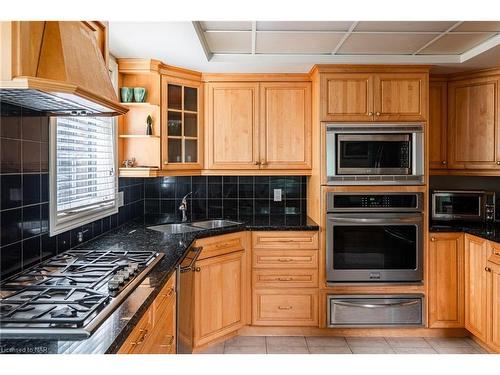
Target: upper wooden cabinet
(438, 109)
(232, 125)
(446, 280)
(473, 126)
(373, 96)
(258, 126)
(477, 251)
(285, 125)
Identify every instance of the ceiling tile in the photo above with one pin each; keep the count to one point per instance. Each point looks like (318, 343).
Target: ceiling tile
(226, 25)
(229, 42)
(304, 25)
(301, 43)
(455, 44)
(479, 26)
(384, 44)
(434, 26)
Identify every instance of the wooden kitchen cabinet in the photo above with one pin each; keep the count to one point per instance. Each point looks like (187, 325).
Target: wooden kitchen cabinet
(473, 126)
(477, 251)
(493, 337)
(446, 280)
(221, 288)
(258, 126)
(232, 125)
(285, 125)
(156, 331)
(438, 110)
(357, 94)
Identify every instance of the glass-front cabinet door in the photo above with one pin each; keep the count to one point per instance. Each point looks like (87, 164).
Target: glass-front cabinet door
(181, 125)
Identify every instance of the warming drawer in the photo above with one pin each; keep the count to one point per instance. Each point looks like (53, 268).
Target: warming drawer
(375, 311)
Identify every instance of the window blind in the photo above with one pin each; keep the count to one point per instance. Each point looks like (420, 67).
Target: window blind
(85, 166)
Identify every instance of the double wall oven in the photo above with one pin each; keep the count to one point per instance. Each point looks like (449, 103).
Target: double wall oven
(374, 237)
(375, 154)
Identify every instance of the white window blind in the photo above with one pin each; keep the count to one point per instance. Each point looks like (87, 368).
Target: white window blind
(83, 175)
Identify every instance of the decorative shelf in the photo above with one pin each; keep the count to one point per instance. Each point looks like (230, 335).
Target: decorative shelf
(138, 136)
(138, 171)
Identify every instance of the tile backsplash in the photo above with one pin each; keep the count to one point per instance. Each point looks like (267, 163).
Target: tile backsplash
(244, 198)
(24, 191)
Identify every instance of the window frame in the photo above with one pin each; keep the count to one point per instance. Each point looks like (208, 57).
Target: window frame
(60, 226)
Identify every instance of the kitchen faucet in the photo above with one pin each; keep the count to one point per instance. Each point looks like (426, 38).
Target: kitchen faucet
(183, 207)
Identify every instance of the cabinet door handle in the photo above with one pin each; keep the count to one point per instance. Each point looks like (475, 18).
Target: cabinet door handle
(169, 342)
(285, 307)
(285, 259)
(285, 279)
(170, 292)
(144, 333)
(495, 253)
(487, 269)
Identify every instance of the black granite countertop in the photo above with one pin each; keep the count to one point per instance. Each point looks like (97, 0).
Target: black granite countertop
(136, 236)
(490, 231)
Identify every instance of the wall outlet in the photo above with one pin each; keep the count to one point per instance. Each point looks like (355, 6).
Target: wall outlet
(121, 199)
(277, 195)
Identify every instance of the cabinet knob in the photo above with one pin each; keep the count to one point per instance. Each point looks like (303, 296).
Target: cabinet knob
(377, 113)
(444, 162)
(264, 163)
(498, 162)
(257, 163)
(487, 269)
(433, 239)
(197, 269)
(370, 113)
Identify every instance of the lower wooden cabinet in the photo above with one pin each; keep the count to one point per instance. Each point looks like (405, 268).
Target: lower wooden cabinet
(156, 331)
(446, 280)
(477, 251)
(221, 296)
(285, 307)
(493, 336)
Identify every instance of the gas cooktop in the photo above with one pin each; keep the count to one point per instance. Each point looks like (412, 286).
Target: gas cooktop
(71, 294)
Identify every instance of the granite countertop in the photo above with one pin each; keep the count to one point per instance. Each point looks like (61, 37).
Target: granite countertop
(136, 236)
(490, 231)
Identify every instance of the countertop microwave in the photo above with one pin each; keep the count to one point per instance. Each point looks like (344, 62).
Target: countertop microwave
(463, 205)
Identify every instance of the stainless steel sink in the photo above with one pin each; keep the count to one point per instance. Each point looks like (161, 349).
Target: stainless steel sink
(211, 224)
(175, 228)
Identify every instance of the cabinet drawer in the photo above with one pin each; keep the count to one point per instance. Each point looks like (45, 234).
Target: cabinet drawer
(279, 307)
(136, 340)
(221, 245)
(285, 259)
(285, 240)
(166, 295)
(277, 278)
(162, 339)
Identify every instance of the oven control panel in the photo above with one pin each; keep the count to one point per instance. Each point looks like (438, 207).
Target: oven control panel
(374, 201)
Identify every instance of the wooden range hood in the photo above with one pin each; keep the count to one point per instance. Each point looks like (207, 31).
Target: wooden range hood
(55, 67)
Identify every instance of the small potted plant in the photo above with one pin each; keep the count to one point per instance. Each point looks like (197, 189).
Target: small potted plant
(149, 129)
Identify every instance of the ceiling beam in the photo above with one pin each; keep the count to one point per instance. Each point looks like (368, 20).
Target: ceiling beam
(455, 25)
(483, 47)
(344, 38)
(254, 36)
(201, 37)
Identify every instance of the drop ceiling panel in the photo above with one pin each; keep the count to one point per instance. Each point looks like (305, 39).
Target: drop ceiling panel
(304, 25)
(300, 43)
(384, 44)
(229, 42)
(407, 26)
(479, 26)
(226, 25)
(455, 44)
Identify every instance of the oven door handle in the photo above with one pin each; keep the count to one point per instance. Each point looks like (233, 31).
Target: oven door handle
(375, 306)
(413, 219)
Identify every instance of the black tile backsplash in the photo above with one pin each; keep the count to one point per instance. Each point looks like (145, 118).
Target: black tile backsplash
(244, 198)
(24, 194)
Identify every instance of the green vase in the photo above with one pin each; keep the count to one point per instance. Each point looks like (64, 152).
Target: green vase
(126, 94)
(139, 94)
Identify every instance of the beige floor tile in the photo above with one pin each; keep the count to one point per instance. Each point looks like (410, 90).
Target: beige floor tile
(372, 342)
(404, 350)
(476, 346)
(407, 342)
(284, 349)
(325, 341)
(214, 349)
(448, 342)
(246, 341)
(256, 349)
(372, 350)
(330, 350)
(299, 341)
(457, 350)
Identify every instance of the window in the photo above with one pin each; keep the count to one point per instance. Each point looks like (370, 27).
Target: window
(83, 178)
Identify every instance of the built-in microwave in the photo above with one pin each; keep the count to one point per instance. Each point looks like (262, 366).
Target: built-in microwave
(375, 154)
(463, 205)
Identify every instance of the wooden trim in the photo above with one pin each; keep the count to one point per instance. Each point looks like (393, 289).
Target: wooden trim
(346, 68)
(255, 172)
(255, 77)
(474, 74)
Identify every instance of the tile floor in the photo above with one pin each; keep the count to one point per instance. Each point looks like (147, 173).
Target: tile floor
(344, 345)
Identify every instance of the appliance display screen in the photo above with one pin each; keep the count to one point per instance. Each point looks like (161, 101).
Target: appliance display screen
(457, 205)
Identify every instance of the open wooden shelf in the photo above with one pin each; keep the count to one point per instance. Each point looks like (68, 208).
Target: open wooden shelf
(138, 172)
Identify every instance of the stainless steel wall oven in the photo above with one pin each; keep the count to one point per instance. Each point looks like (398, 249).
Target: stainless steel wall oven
(374, 237)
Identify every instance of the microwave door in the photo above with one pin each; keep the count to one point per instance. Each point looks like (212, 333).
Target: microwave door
(457, 206)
